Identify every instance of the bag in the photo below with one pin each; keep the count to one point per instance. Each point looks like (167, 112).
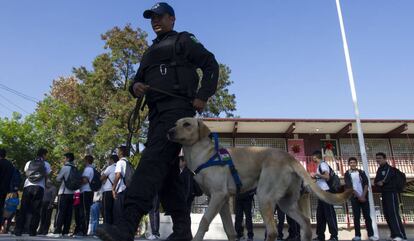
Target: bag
(334, 183)
(129, 172)
(74, 180)
(95, 183)
(15, 181)
(36, 171)
(400, 180)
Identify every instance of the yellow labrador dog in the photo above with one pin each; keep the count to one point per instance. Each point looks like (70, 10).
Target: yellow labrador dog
(275, 174)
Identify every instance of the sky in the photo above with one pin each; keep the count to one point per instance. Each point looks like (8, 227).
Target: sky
(286, 56)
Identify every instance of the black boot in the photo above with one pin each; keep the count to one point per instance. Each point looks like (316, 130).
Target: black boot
(181, 227)
(123, 231)
(107, 232)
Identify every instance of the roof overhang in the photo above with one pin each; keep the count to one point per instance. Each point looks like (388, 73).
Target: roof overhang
(308, 126)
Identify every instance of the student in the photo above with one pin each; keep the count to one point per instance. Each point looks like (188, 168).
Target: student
(36, 172)
(95, 210)
(63, 216)
(11, 203)
(119, 186)
(154, 217)
(47, 208)
(107, 178)
(358, 181)
(325, 212)
(244, 205)
(86, 196)
(6, 172)
(385, 180)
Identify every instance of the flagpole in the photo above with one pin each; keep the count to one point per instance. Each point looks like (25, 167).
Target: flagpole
(358, 120)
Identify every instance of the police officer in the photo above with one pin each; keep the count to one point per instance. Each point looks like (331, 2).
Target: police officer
(167, 76)
(385, 180)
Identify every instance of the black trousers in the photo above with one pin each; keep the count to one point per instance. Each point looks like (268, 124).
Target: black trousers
(390, 205)
(2, 201)
(63, 216)
(118, 210)
(154, 217)
(158, 172)
(86, 200)
(45, 217)
(30, 205)
(294, 228)
(244, 206)
(108, 207)
(357, 206)
(325, 214)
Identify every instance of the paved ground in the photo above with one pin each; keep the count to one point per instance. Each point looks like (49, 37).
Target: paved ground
(4, 237)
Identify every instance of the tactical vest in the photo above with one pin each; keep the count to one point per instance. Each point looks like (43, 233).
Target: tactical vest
(166, 68)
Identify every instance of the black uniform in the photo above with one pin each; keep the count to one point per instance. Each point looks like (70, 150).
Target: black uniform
(169, 64)
(390, 203)
(357, 205)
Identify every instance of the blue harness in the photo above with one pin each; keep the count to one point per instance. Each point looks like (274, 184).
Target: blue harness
(221, 158)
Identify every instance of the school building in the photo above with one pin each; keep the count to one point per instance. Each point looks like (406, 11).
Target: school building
(337, 138)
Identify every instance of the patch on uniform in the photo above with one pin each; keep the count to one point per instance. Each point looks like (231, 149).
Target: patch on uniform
(383, 173)
(194, 39)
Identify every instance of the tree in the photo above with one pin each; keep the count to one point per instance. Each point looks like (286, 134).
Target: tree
(92, 107)
(20, 139)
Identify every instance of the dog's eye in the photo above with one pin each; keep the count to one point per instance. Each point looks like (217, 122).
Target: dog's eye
(186, 124)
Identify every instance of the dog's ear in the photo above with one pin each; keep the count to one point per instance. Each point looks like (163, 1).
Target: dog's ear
(203, 130)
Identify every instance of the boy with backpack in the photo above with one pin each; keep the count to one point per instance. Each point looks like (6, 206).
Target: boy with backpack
(123, 175)
(70, 179)
(390, 182)
(325, 212)
(36, 173)
(358, 181)
(90, 183)
(107, 178)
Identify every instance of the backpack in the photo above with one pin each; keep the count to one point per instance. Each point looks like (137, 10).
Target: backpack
(74, 180)
(95, 183)
(400, 180)
(36, 170)
(334, 183)
(129, 172)
(15, 181)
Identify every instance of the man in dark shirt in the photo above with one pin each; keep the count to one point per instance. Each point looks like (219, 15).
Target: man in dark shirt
(6, 172)
(168, 77)
(385, 181)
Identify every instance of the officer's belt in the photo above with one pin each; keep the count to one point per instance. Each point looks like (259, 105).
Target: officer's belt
(221, 158)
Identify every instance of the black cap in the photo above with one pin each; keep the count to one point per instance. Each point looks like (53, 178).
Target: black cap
(160, 8)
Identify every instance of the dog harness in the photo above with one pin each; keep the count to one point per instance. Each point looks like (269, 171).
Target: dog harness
(221, 158)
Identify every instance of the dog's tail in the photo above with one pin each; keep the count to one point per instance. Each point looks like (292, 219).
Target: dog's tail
(308, 181)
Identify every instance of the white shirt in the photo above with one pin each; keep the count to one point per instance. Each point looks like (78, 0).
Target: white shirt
(62, 177)
(320, 181)
(121, 168)
(40, 183)
(110, 174)
(356, 183)
(88, 173)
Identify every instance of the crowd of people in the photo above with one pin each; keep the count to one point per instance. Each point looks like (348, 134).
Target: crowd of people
(90, 194)
(83, 196)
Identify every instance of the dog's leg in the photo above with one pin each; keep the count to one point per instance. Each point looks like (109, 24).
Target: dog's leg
(216, 202)
(227, 221)
(267, 206)
(292, 210)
